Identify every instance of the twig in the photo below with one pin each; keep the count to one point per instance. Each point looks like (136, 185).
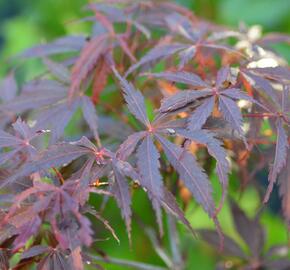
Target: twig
(131, 264)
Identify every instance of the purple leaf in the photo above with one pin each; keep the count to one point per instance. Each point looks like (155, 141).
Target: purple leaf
(90, 54)
(43, 85)
(90, 115)
(215, 150)
(284, 189)
(32, 100)
(134, 99)
(277, 73)
(113, 128)
(182, 77)
(62, 112)
(121, 192)
(232, 114)
(58, 70)
(126, 169)
(22, 129)
(150, 178)
(8, 88)
(85, 142)
(129, 145)
(250, 230)
(259, 83)
(235, 93)
(222, 76)
(7, 140)
(6, 156)
(189, 171)
(114, 13)
(55, 259)
(285, 99)
(55, 155)
(156, 54)
(231, 248)
(34, 251)
(181, 25)
(171, 205)
(181, 99)
(61, 45)
(280, 157)
(222, 48)
(201, 114)
(26, 231)
(186, 55)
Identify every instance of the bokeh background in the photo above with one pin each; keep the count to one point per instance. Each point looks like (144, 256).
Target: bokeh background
(29, 22)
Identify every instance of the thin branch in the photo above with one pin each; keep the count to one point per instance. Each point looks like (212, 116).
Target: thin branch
(131, 264)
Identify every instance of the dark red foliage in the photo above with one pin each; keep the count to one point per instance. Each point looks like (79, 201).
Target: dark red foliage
(212, 95)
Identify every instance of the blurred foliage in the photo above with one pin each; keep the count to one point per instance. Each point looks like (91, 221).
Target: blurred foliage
(25, 23)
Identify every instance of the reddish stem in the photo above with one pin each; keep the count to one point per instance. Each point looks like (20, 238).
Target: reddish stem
(259, 115)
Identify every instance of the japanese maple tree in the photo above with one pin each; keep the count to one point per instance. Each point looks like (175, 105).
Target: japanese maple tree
(179, 86)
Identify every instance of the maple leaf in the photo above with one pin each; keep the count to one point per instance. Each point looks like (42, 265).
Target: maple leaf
(8, 88)
(184, 163)
(61, 45)
(196, 41)
(216, 150)
(109, 14)
(121, 191)
(58, 258)
(284, 187)
(71, 230)
(253, 234)
(250, 230)
(90, 54)
(134, 100)
(46, 189)
(206, 96)
(97, 161)
(150, 178)
(58, 70)
(282, 143)
(158, 53)
(20, 142)
(33, 98)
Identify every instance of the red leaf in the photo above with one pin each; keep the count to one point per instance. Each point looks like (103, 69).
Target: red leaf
(90, 54)
(150, 178)
(189, 171)
(280, 157)
(134, 99)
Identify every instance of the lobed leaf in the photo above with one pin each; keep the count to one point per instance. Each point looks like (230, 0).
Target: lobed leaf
(134, 99)
(189, 171)
(150, 177)
(182, 77)
(181, 99)
(121, 192)
(58, 70)
(61, 45)
(129, 145)
(199, 116)
(156, 54)
(90, 54)
(279, 159)
(90, 115)
(250, 230)
(232, 114)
